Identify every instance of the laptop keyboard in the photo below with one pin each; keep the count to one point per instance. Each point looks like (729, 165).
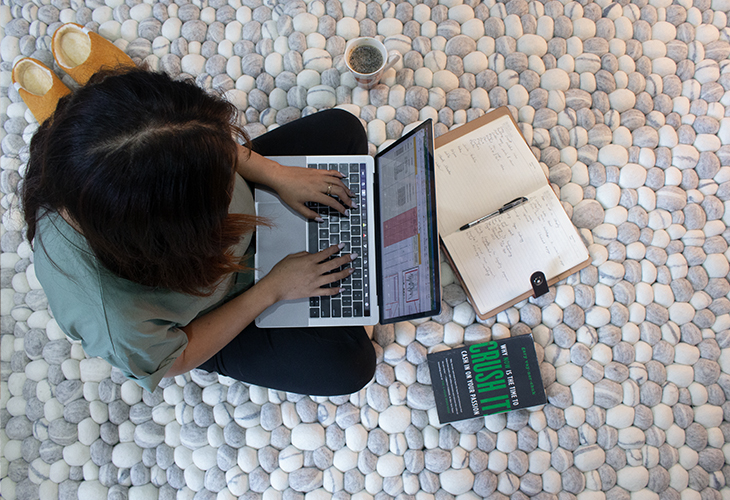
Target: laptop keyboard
(354, 300)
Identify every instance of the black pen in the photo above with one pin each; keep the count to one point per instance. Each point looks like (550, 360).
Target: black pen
(507, 206)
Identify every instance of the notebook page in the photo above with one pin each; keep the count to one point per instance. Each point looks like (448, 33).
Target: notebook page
(482, 170)
(497, 257)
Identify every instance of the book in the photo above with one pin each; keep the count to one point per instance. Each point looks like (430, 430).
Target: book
(481, 166)
(486, 378)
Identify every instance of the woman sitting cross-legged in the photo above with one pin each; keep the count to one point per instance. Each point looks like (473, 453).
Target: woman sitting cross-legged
(138, 202)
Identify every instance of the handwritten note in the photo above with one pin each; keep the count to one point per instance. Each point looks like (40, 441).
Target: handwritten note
(497, 257)
(481, 171)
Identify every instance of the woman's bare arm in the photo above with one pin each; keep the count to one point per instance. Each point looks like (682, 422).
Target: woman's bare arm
(296, 276)
(256, 168)
(212, 332)
(295, 185)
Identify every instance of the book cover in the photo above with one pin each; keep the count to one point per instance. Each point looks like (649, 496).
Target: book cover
(486, 378)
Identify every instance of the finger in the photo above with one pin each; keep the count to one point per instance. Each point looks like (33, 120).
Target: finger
(342, 193)
(329, 291)
(338, 195)
(334, 173)
(341, 275)
(332, 203)
(307, 212)
(328, 252)
(335, 177)
(347, 190)
(330, 275)
(331, 288)
(343, 260)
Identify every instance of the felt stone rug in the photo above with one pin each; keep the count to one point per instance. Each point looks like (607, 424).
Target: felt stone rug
(623, 103)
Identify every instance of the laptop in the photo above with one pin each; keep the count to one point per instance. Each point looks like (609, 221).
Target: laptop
(394, 231)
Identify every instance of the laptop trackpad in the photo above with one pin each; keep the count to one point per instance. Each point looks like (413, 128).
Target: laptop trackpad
(288, 235)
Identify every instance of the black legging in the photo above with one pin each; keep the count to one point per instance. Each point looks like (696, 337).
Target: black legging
(316, 361)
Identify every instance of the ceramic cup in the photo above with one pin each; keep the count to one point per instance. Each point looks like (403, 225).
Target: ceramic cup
(371, 79)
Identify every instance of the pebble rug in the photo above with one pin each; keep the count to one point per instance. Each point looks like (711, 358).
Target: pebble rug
(623, 103)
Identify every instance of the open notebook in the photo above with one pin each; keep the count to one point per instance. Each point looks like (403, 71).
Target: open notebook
(480, 167)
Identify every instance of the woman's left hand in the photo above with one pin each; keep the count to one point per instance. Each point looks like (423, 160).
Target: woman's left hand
(296, 186)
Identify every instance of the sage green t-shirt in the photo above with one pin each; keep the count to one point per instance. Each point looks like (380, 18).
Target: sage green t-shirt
(134, 327)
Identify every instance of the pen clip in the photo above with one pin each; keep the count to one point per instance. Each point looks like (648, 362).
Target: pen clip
(517, 201)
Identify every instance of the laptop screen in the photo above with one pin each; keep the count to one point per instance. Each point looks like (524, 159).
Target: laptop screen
(407, 236)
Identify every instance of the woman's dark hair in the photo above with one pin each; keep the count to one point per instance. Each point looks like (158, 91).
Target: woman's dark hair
(144, 165)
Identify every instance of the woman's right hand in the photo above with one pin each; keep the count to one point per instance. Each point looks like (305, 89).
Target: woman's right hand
(304, 274)
(297, 276)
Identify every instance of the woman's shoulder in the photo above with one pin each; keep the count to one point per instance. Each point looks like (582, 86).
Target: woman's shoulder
(63, 261)
(53, 230)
